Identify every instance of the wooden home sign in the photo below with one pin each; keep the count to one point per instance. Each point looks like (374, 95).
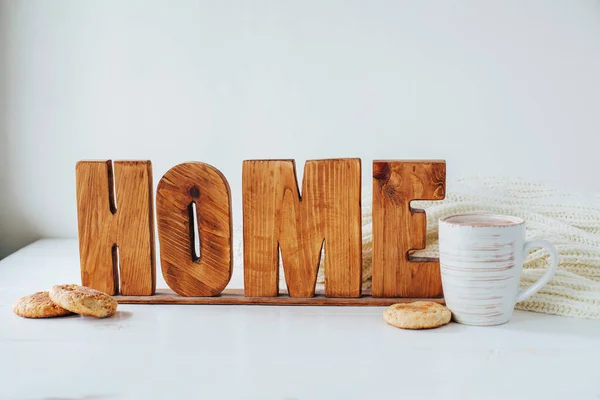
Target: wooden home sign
(115, 206)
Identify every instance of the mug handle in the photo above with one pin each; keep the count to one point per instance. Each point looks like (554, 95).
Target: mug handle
(524, 294)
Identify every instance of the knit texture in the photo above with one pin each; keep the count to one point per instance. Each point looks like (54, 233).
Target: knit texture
(570, 221)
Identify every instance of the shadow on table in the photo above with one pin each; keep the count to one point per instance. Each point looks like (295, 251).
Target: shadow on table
(122, 315)
(524, 321)
(119, 316)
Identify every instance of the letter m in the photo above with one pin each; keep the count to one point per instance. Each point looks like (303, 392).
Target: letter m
(327, 217)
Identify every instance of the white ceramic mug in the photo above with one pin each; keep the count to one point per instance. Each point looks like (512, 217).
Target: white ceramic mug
(481, 259)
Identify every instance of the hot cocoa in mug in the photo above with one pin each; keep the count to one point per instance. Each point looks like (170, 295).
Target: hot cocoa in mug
(481, 260)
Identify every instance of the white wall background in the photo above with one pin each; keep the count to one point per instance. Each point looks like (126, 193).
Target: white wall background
(494, 87)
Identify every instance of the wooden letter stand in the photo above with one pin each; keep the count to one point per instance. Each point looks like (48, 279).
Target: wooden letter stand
(116, 232)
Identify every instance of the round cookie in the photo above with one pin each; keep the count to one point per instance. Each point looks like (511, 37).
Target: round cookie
(417, 315)
(38, 305)
(83, 300)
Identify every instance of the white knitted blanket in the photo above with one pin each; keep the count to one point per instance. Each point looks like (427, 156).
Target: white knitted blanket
(570, 221)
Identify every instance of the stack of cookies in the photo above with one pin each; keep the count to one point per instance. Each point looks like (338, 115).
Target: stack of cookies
(64, 300)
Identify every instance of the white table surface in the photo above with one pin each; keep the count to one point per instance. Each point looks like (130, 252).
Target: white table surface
(268, 352)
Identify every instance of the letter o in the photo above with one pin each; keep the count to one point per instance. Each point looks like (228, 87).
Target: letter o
(206, 187)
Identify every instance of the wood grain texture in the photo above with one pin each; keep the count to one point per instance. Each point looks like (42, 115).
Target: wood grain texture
(328, 215)
(236, 297)
(398, 228)
(208, 188)
(125, 226)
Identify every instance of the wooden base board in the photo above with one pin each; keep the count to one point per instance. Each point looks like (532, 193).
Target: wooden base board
(236, 296)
